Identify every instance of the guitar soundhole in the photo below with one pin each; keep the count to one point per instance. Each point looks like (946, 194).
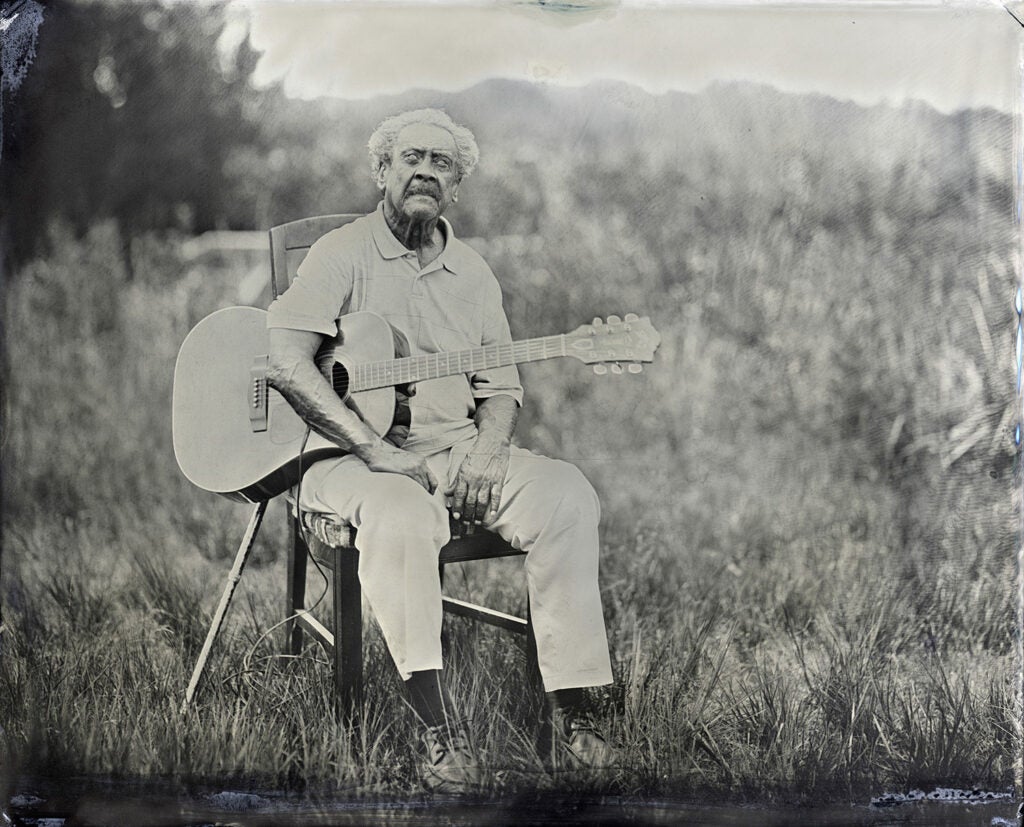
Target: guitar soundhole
(339, 379)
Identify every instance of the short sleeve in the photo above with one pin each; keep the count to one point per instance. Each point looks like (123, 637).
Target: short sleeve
(321, 288)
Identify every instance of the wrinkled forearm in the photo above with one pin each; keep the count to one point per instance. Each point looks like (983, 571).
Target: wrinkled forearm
(309, 393)
(496, 418)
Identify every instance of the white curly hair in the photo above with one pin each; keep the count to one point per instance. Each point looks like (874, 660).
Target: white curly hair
(382, 141)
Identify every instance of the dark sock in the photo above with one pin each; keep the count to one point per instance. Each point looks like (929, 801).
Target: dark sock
(568, 701)
(428, 697)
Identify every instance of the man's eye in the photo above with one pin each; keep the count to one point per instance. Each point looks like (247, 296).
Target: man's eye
(443, 163)
(411, 158)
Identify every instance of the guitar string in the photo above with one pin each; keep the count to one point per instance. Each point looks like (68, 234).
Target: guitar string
(372, 375)
(407, 369)
(421, 367)
(474, 356)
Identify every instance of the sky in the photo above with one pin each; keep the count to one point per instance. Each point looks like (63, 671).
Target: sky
(952, 56)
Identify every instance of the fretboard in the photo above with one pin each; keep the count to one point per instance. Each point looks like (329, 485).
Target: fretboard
(390, 372)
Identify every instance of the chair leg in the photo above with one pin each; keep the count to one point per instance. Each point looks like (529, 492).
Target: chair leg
(244, 549)
(348, 628)
(298, 554)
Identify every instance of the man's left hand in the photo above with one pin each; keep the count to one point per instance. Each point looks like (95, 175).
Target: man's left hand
(474, 494)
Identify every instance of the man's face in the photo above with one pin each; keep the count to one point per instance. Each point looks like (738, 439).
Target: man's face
(421, 179)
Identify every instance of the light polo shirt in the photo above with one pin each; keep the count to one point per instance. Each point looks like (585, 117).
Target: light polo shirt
(454, 303)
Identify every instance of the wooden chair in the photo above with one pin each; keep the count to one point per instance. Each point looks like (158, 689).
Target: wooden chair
(332, 542)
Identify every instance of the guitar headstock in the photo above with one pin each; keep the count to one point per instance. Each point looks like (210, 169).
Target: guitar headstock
(615, 341)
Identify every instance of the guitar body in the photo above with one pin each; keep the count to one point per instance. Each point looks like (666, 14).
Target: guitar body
(236, 437)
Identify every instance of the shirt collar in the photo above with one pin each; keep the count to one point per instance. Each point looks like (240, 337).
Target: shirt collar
(451, 257)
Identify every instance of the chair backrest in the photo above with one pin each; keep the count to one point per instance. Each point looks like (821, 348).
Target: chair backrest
(290, 242)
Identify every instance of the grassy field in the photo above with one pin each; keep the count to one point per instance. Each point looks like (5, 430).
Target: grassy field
(808, 554)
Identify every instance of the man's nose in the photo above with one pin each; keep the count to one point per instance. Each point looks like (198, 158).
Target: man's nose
(425, 170)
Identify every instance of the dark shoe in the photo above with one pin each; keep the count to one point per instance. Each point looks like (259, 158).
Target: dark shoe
(450, 767)
(580, 744)
(589, 747)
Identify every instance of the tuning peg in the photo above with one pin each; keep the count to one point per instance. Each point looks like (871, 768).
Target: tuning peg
(616, 368)
(614, 320)
(600, 370)
(636, 367)
(632, 317)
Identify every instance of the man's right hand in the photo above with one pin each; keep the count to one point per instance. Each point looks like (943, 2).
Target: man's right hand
(383, 456)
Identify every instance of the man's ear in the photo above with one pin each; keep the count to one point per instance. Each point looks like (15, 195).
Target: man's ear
(382, 174)
(455, 190)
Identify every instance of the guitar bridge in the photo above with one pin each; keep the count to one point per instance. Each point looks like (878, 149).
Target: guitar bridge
(258, 394)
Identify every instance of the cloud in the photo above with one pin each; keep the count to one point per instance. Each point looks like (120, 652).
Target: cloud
(951, 56)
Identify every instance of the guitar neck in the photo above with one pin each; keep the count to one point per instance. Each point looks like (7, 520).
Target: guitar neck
(370, 375)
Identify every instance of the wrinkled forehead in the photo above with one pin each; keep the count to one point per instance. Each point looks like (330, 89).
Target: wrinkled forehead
(425, 136)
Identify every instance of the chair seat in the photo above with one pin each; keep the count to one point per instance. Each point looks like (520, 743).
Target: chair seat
(328, 529)
(335, 533)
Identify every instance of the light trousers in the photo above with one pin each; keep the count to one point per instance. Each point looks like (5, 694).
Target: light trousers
(547, 509)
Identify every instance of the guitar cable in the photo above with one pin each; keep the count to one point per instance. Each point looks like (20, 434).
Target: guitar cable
(304, 533)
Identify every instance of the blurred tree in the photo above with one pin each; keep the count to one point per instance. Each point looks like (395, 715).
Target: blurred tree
(128, 112)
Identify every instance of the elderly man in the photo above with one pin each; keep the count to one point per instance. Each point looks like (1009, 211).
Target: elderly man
(453, 451)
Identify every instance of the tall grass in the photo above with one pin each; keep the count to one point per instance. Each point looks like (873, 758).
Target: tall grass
(807, 562)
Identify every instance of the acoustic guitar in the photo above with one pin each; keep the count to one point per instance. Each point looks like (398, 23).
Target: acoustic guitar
(236, 436)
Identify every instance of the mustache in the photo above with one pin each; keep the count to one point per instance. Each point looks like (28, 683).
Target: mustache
(424, 189)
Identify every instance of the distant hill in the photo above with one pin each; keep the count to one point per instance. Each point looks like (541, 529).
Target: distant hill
(742, 141)
(502, 109)
(610, 120)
